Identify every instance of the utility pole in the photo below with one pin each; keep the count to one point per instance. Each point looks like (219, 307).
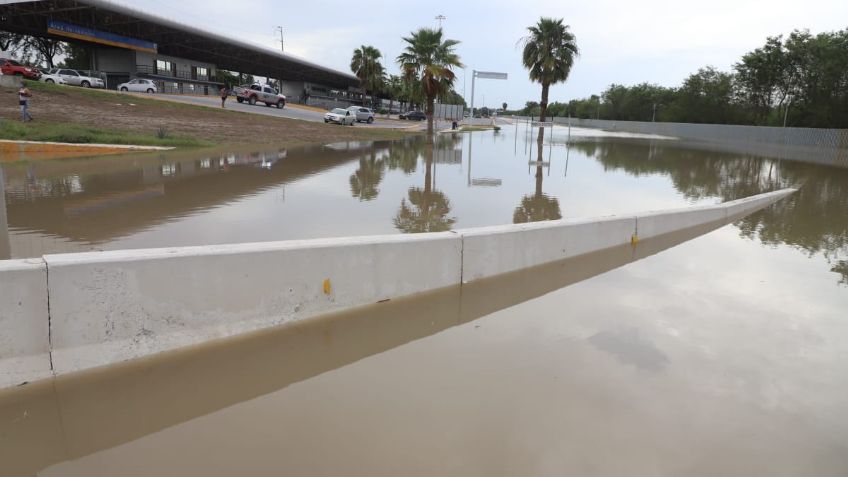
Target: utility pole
(282, 41)
(440, 18)
(654, 116)
(786, 113)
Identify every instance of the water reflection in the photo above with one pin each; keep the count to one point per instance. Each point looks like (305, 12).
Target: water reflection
(427, 209)
(79, 204)
(813, 220)
(539, 206)
(5, 246)
(407, 186)
(365, 181)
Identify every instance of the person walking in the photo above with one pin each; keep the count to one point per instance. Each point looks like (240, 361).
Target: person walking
(23, 99)
(224, 94)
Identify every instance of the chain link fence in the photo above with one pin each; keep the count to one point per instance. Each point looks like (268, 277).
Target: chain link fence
(823, 146)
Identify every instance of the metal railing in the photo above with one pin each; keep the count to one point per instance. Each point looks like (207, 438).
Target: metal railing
(178, 75)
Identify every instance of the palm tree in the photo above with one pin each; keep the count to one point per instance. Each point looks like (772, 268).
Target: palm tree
(428, 60)
(366, 65)
(549, 53)
(394, 88)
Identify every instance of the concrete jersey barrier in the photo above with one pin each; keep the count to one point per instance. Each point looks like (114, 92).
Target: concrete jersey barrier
(107, 307)
(24, 322)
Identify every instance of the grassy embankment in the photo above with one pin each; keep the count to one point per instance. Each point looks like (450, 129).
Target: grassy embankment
(86, 116)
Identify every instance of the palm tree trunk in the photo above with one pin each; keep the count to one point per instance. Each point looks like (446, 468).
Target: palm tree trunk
(543, 106)
(430, 111)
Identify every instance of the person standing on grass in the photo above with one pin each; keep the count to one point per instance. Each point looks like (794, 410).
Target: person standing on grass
(224, 93)
(23, 99)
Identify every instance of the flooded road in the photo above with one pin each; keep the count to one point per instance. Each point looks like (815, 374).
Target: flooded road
(726, 355)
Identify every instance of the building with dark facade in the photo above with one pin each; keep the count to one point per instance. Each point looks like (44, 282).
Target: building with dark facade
(124, 42)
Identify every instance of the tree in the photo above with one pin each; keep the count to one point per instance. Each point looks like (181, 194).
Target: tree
(549, 53)
(366, 65)
(228, 78)
(504, 106)
(428, 62)
(11, 42)
(762, 78)
(394, 88)
(77, 57)
(46, 49)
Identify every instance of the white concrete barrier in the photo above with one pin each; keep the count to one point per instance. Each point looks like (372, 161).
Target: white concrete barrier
(24, 322)
(490, 251)
(108, 307)
(653, 224)
(742, 207)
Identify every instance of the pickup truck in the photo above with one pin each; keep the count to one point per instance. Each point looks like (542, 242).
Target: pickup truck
(259, 93)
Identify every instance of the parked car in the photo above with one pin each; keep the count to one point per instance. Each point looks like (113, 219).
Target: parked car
(77, 78)
(362, 114)
(139, 86)
(259, 93)
(413, 116)
(50, 76)
(13, 68)
(340, 116)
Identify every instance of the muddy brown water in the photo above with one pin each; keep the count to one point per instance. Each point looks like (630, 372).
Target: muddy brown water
(725, 355)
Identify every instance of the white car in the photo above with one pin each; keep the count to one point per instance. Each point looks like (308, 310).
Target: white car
(51, 77)
(340, 116)
(75, 78)
(139, 86)
(362, 114)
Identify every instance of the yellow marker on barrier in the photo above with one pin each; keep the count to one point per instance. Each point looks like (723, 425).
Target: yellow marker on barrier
(634, 239)
(327, 287)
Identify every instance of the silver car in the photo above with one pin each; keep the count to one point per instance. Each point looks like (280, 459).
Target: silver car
(138, 86)
(362, 114)
(75, 78)
(340, 116)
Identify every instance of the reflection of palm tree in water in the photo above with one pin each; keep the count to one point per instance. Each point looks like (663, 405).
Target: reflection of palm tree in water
(366, 179)
(403, 155)
(813, 219)
(427, 209)
(539, 206)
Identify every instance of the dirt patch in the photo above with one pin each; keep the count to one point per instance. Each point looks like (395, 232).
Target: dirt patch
(107, 111)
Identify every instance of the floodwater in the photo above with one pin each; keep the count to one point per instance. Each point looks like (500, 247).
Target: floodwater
(726, 355)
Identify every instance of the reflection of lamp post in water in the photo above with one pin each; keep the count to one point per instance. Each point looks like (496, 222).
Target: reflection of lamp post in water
(5, 246)
(539, 206)
(480, 181)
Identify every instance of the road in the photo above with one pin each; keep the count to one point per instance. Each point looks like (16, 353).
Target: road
(290, 111)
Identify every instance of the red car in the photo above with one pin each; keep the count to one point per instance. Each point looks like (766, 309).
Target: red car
(13, 68)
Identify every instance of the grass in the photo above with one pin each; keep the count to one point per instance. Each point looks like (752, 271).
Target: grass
(81, 134)
(78, 132)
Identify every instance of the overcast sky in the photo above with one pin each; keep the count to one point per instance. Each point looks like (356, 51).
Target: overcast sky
(627, 42)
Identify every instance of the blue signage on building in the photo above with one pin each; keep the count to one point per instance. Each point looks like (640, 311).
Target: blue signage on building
(97, 36)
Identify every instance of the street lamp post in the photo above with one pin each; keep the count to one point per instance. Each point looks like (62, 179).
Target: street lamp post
(282, 42)
(786, 113)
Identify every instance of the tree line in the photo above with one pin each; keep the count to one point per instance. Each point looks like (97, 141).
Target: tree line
(800, 80)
